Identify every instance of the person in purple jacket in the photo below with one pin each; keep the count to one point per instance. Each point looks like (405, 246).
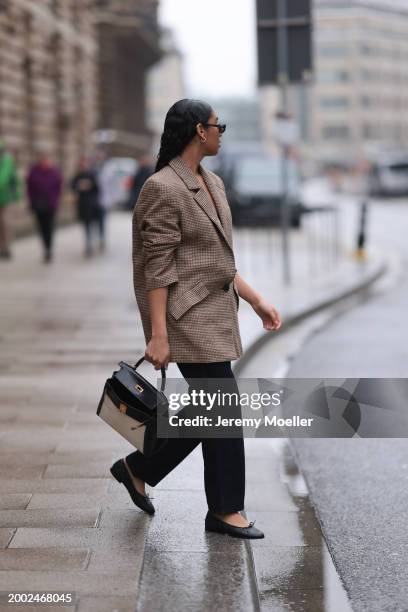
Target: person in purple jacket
(44, 186)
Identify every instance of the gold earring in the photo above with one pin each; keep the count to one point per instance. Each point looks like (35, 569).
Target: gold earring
(203, 139)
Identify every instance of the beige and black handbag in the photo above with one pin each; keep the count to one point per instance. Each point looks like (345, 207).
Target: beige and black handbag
(130, 405)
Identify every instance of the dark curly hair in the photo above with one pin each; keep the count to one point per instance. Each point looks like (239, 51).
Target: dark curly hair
(180, 128)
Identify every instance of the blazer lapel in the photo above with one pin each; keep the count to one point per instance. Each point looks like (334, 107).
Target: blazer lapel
(221, 204)
(201, 197)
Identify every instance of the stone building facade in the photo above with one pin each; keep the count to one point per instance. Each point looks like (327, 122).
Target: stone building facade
(47, 79)
(48, 83)
(129, 44)
(70, 70)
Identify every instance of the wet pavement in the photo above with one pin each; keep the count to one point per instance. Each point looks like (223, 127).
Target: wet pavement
(65, 524)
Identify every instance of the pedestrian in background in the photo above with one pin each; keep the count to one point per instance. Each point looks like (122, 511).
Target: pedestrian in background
(10, 192)
(145, 169)
(44, 185)
(85, 186)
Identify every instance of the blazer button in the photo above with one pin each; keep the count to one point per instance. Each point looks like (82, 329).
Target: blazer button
(226, 287)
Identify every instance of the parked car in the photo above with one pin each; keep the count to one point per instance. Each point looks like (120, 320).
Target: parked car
(388, 175)
(223, 163)
(254, 190)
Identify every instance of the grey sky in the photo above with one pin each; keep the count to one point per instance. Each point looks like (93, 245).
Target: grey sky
(218, 40)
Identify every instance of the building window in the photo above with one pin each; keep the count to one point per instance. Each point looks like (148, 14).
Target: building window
(388, 34)
(370, 131)
(369, 76)
(334, 76)
(371, 51)
(334, 103)
(329, 34)
(368, 102)
(333, 51)
(336, 132)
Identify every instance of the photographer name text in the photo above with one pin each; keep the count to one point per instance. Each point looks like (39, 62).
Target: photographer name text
(267, 421)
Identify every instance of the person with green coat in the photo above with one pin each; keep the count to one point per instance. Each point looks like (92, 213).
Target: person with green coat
(10, 192)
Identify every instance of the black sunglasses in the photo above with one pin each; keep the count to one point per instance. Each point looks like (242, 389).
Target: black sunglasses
(221, 126)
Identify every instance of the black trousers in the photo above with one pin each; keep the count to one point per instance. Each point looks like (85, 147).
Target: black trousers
(45, 222)
(224, 458)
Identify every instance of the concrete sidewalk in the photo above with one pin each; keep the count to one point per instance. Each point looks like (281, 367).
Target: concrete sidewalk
(65, 524)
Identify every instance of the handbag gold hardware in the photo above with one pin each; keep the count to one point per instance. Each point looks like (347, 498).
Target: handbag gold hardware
(138, 388)
(122, 408)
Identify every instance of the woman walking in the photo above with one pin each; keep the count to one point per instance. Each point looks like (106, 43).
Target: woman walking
(187, 289)
(44, 186)
(85, 185)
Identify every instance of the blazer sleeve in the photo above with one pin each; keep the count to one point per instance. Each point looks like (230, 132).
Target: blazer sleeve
(158, 220)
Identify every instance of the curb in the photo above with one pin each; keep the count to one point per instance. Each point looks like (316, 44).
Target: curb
(294, 319)
(254, 577)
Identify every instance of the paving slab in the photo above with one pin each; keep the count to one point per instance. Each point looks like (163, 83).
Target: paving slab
(278, 498)
(55, 485)
(283, 566)
(196, 581)
(123, 560)
(5, 536)
(16, 446)
(38, 429)
(42, 559)
(106, 604)
(109, 446)
(49, 517)
(79, 537)
(54, 418)
(67, 458)
(22, 471)
(14, 501)
(127, 518)
(301, 600)
(72, 501)
(89, 469)
(83, 583)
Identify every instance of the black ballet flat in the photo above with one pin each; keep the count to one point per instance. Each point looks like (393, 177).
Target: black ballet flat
(120, 473)
(212, 523)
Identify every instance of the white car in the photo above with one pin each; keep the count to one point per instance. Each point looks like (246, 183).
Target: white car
(389, 174)
(114, 181)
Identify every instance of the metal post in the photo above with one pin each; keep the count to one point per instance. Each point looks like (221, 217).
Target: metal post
(361, 238)
(283, 67)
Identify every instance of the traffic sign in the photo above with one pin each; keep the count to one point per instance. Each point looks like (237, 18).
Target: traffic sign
(296, 20)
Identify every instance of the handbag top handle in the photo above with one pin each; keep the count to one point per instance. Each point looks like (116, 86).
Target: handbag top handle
(163, 373)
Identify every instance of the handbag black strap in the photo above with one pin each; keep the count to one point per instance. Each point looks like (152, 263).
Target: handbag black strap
(163, 373)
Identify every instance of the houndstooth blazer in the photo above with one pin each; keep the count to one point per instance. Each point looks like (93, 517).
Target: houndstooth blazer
(179, 242)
